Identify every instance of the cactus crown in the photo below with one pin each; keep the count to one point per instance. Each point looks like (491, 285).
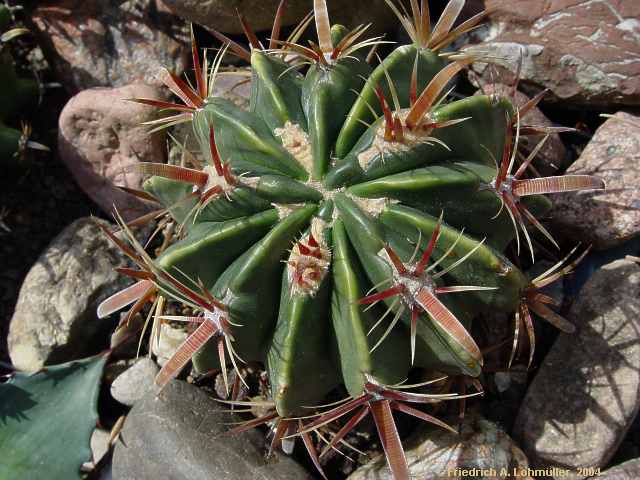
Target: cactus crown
(345, 229)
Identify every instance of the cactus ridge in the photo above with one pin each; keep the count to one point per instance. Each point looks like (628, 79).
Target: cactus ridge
(346, 228)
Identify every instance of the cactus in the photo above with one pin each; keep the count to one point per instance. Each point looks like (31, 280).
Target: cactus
(347, 228)
(17, 95)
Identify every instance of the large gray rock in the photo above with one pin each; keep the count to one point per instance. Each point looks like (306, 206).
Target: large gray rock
(132, 384)
(611, 217)
(438, 454)
(55, 317)
(99, 43)
(629, 470)
(586, 393)
(584, 51)
(177, 435)
(101, 137)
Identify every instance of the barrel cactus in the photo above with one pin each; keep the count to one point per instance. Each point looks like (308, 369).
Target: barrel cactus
(347, 228)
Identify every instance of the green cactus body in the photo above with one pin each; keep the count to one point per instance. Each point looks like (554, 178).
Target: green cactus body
(460, 189)
(297, 324)
(390, 363)
(338, 189)
(398, 66)
(10, 142)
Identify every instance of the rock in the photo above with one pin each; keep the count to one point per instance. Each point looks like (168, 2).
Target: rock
(506, 392)
(234, 86)
(585, 52)
(99, 444)
(221, 15)
(436, 454)
(100, 135)
(553, 154)
(586, 393)
(95, 43)
(177, 435)
(113, 370)
(135, 382)
(99, 447)
(55, 316)
(629, 470)
(169, 339)
(515, 377)
(611, 217)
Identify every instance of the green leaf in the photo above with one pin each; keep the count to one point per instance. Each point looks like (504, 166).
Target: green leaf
(46, 420)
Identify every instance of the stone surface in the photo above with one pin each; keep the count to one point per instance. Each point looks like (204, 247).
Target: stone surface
(234, 86)
(584, 51)
(611, 217)
(586, 393)
(169, 339)
(55, 317)
(135, 382)
(436, 454)
(99, 444)
(96, 43)
(177, 435)
(629, 470)
(553, 155)
(99, 447)
(100, 137)
(222, 15)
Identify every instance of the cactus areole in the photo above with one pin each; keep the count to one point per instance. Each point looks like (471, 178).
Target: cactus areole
(346, 228)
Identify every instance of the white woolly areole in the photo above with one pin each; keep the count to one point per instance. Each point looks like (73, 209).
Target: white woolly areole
(306, 272)
(381, 147)
(251, 182)
(214, 180)
(286, 209)
(373, 206)
(412, 285)
(318, 227)
(215, 317)
(296, 142)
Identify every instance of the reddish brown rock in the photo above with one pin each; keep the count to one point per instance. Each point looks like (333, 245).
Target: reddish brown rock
(552, 156)
(585, 51)
(605, 218)
(100, 135)
(222, 14)
(96, 43)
